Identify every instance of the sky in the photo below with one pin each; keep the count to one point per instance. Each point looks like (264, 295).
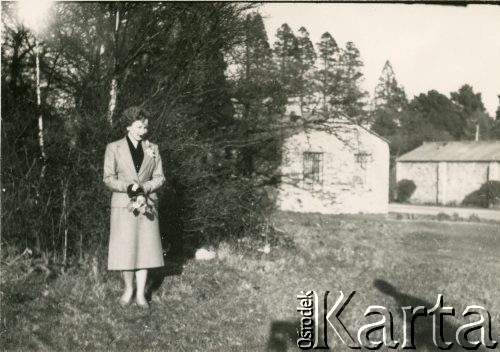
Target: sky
(429, 46)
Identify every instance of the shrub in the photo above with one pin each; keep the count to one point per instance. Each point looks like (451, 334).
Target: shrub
(476, 199)
(405, 189)
(487, 196)
(474, 218)
(67, 211)
(443, 217)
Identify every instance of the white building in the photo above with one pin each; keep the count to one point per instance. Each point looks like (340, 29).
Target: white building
(334, 167)
(446, 172)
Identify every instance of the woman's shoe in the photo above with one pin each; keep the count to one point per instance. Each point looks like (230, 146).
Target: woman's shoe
(124, 301)
(142, 304)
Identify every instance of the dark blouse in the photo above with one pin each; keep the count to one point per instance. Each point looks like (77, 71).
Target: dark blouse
(137, 154)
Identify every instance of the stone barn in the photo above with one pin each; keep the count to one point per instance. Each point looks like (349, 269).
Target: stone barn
(446, 172)
(336, 167)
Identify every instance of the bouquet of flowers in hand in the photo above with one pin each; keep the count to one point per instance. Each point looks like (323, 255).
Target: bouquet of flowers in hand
(138, 202)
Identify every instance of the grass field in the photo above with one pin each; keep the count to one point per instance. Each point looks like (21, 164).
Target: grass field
(245, 300)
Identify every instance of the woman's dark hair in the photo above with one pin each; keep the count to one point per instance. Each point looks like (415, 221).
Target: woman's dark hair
(131, 114)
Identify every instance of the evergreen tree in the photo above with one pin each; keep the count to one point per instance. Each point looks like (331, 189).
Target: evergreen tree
(254, 89)
(307, 60)
(388, 93)
(327, 76)
(253, 81)
(286, 53)
(388, 103)
(352, 96)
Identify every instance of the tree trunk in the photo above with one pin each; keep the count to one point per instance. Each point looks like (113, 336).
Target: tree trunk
(113, 92)
(65, 220)
(40, 117)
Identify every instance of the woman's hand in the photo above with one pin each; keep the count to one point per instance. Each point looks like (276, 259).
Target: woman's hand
(134, 190)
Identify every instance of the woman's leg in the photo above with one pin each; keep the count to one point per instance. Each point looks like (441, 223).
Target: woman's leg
(128, 279)
(140, 280)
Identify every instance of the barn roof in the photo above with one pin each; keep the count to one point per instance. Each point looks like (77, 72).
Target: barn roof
(454, 151)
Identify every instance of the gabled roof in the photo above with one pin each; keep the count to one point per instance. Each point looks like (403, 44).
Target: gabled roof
(454, 151)
(315, 121)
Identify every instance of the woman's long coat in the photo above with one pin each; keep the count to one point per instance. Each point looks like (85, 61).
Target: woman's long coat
(134, 241)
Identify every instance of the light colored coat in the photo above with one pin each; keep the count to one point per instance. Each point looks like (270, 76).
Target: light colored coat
(134, 241)
(119, 172)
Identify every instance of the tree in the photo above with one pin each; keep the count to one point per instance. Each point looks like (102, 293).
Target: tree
(388, 103)
(83, 71)
(328, 73)
(17, 67)
(388, 93)
(495, 132)
(467, 100)
(431, 117)
(352, 95)
(307, 60)
(477, 122)
(253, 83)
(385, 121)
(98, 44)
(252, 76)
(497, 117)
(286, 54)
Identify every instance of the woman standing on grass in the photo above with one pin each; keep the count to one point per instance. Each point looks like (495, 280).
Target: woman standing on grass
(133, 172)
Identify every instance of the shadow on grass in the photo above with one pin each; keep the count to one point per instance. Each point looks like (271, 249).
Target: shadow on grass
(282, 336)
(423, 325)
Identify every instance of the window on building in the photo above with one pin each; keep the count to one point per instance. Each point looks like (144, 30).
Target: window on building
(313, 167)
(363, 158)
